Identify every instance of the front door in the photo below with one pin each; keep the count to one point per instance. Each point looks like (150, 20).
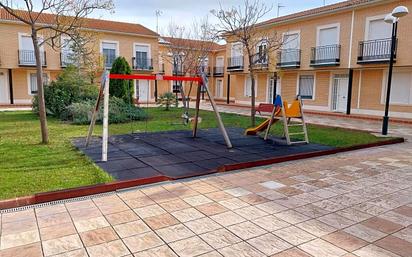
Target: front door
(142, 90)
(340, 93)
(219, 88)
(4, 88)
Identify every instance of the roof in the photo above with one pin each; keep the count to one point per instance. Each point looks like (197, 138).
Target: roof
(94, 24)
(191, 42)
(318, 11)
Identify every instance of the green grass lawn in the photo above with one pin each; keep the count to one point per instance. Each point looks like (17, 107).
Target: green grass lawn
(27, 167)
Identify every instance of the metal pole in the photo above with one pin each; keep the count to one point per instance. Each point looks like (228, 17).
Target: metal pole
(388, 89)
(105, 119)
(228, 89)
(197, 110)
(350, 89)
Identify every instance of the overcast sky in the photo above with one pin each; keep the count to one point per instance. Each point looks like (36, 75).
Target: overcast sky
(184, 11)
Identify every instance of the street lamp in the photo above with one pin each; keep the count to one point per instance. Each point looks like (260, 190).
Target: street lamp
(393, 19)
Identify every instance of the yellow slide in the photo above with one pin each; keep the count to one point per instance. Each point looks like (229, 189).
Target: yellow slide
(262, 126)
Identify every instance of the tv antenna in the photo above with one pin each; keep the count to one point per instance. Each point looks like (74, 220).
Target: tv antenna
(158, 14)
(279, 7)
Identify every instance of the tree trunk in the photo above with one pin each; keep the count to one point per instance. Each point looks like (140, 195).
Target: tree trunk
(40, 91)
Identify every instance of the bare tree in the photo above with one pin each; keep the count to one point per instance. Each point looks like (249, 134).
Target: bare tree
(188, 49)
(241, 24)
(52, 19)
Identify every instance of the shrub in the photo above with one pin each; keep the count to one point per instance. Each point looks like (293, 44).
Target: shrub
(166, 100)
(119, 112)
(69, 87)
(118, 87)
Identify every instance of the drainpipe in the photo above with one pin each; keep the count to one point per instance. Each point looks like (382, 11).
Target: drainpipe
(350, 81)
(11, 86)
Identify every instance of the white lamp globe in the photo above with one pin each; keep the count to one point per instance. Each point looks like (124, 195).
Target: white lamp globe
(400, 11)
(390, 19)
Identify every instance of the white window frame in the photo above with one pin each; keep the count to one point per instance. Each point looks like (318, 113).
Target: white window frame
(110, 42)
(232, 47)
(268, 79)
(385, 83)
(367, 23)
(314, 84)
(221, 90)
(245, 86)
(28, 35)
(263, 41)
(287, 33)
(328, 26)
(29, 72)
(220, 57)
(149, 52)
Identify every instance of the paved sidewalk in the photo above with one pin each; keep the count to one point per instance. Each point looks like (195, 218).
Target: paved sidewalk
(353, 204)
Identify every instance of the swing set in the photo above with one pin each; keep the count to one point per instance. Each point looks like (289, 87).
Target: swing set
(202, 84)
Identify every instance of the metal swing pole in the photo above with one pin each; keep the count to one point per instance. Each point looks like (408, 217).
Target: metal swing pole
(105, 136)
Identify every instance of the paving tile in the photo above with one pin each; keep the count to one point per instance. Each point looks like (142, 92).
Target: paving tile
(57, 231)
(269, 244)
(354, 214)
(121, 217)
(250, 212)
(246, 230)
(161, 251)
(19, 239)
(316, 227)
(270, 223)
(32, 250)
(220, 238)
(91, 224)
(202, 225)
(139, 202)
(382, 225)
(396, 245)
(174, 233)
(227, 218)
(142, 242)
(197, 200)
(271, 207)
(253, 199)
(53, 219)
(149, 211)
(18, 216)
(374, 251)
(336, 221)
(294, 235)
(18, 227)
(210, 209)
(345, 241)
(405, 234)
(237, 192)
(131, 228)
(49, 210)
(187, 214)
(98, 236)
(110, 249)
(211, 254)
(291, 216)
(294, 252)
(233, 203)
(161, 221)
(218, 196)
(197, 247)
(397, 218)
(321, 248)
(404, 210)
(365, 233)
(174, 205)
(85, 213)
(61, 245)
(75, 253)
(242, 249)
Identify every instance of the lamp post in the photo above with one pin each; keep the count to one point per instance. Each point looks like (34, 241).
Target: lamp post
(393, 19)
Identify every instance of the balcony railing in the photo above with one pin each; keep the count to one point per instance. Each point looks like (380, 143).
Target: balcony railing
(325, 55)
(28, 58)
(178, 71)
(65, 59)
(218, 71)
(260, 61)
(142, 64)
(235, 63)
(288, 58)
(162, 68)
(375, 51)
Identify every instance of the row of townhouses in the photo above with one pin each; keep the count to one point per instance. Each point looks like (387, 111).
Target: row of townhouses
(336, 57)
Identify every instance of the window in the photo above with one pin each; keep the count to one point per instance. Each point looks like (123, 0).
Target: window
(109, 51)
(248, 86)
(142, 54)
(33, 82)
(401, 90)
(328, 35)
(291, 41)
(67, 54)
(378, 29)
(306, 85)
(262, 53)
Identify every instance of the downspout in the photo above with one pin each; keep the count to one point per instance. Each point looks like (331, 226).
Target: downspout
(350, 81)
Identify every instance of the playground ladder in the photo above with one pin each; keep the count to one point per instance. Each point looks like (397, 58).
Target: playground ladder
(287, 124)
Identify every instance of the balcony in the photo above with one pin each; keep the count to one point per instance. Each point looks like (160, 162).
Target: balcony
(65, 59)
(142, 64)
(325, 56)
(27, 58)
(235, 63)
(260, 61)
(219, 71)
(178, 71)
(288, 58)
(375, 51)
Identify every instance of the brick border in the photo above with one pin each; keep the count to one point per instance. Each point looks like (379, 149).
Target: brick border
(113, 186)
